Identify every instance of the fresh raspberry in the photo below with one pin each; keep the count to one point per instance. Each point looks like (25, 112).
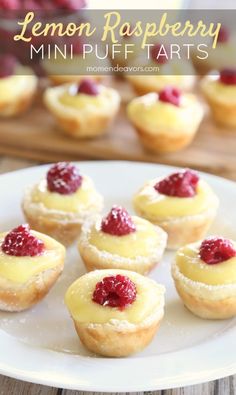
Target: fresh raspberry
(9, 5)
(70, 4)
(182, 184)
(7, 65)
(170, 95)
(160, 54)
(223, 36)
(115, 291)
(118, 222)
(33, 5)
(20, 242)
(228, 76)
(63, 178)
(88, 87)
(216, 250)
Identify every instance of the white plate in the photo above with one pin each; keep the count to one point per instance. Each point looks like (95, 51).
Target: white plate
(41, 345)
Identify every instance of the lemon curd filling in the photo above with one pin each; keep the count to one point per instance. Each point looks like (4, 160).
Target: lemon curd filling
(149, 112)
(139, 243)
(78, 299)
(149, 201)
(21, 269)
(14, 85)
(192, 267)
(82, 101)
(68, 203)
(222, 92)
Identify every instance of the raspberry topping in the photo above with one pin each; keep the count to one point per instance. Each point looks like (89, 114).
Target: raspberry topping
(159, 54)
(7, 65)
(63, 178)
(20, 242)
(228, 76)
(216, 250)
(170, 95)
(33, 5)
(182, 184)
(118, 222)
(223, 36)
(115, 291)
(88, 87)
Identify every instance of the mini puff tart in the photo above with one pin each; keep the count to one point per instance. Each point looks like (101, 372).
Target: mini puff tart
(115, 312)
(220, 93)
(85, 110)
(205, 277)
(60, 202)
(167, 121)
(30, 264)
(18, 85)
(182, 204)
(120, 241)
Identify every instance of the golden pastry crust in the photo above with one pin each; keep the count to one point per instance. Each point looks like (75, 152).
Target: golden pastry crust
(162, 142)
(221, 101)
(96, 259)
(224, 113)
(20, 103)
(82, 123)
(114, 341)
(163, 127)
(183, 230)
(62, 226)
(17, 297)
(205, 301)
(118, 334)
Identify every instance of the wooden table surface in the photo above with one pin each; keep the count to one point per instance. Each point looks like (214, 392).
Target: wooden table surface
(8, 386)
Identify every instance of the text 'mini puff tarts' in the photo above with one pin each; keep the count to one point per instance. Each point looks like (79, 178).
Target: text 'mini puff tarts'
(83, 110)
(30, 264)
(205, 277)
(220, 93)
(182, 204)
(59, 203)
(120, 241)
(115, 312)
(18, 85)
(167, 121)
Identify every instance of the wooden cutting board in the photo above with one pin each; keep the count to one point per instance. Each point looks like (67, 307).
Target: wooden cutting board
(35, 136)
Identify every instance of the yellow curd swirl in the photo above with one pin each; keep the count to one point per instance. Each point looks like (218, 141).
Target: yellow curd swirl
(72, 203)
(192, 267)
(21, 269)
(14, 85)
(78, 299)
(152, 114)
(145, 239)
(212, 87)
(154, 204)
